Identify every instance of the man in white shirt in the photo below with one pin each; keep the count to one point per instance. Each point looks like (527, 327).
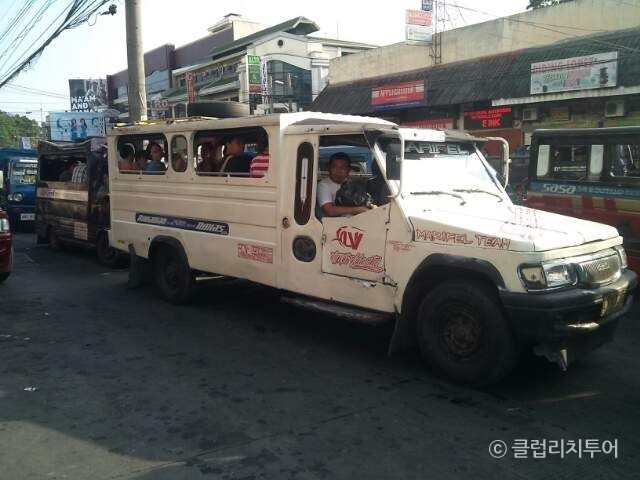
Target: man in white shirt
(339, 169)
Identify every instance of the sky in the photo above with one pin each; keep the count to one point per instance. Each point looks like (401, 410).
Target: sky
(98, 47)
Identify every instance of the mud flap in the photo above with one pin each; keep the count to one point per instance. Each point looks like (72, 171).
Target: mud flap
(139, 269)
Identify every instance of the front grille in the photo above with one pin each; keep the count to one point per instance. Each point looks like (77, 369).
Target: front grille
(599, 271)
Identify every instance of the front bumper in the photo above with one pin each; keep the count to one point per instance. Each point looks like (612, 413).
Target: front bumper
(573, 314)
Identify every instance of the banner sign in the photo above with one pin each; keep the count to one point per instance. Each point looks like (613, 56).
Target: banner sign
(191, 90)
(576, 73)
(254, 71)
(406, 94)
(488, 118)
(88, 95)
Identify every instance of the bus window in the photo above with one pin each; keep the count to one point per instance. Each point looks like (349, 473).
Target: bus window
(624, 160)
(568, 162)
(542, 168)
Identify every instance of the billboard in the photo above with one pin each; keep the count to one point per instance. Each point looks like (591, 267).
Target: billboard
(598, 70)
(72, 126)
(254, 72)
(88, 95)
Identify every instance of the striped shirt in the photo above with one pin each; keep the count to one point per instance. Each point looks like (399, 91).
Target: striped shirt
(259, 165)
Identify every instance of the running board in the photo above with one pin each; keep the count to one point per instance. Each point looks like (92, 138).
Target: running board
(345, 312)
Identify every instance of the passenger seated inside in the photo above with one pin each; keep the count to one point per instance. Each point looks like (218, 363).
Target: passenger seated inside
(67, 173)
(208, 164)
(377, 186)
(155, 154)
(234, 160)
(339, 169)
(260, 163)
(178, 162)
(128, 160)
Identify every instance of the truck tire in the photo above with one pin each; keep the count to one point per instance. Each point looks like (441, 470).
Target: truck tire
(107, 255)
(463, 334)
(174, 278)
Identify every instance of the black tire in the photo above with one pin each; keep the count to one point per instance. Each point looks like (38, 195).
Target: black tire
(464, 335)
(54, 239)
(107, 255)
(174, 278)
(4, 276)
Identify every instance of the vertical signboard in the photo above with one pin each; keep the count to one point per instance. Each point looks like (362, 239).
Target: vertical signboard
(419, 23)
(191, 91)
(254, 72)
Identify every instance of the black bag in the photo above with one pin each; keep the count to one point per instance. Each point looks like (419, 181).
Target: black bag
(352, 194)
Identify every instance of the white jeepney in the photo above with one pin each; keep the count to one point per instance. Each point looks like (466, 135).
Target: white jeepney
(462, 271)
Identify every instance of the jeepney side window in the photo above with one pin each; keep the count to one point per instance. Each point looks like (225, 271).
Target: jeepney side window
(542, 167)
(624, 160)
(226, 153)
(304, 183)
(58, 168)
(142, 146)
(179, 153)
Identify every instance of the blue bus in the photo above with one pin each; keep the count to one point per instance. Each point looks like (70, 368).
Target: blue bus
(19, 169)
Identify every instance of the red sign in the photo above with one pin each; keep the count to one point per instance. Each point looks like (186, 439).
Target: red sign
(191, 92)
(442, 123)
(419, 17)
(401, 94)
(499, 117)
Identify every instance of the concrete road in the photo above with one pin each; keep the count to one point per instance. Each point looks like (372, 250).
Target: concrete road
(101, 382)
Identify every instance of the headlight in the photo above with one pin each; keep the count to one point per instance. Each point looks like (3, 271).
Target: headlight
(16, 197)
(548, 275)
(4, 225)
(623, 256)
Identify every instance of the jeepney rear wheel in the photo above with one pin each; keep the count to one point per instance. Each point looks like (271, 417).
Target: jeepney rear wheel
(463, 333)
(174, 278)
(107, 255)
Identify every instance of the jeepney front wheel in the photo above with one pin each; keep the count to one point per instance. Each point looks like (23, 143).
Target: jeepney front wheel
(174, 278)
(464, 335)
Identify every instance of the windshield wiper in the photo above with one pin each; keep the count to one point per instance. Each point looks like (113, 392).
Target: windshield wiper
(441, 192)
(477, 190)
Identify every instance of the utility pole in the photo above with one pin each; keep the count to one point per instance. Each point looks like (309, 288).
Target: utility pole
(137, 93)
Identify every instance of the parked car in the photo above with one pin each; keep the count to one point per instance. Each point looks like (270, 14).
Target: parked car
(6, 250)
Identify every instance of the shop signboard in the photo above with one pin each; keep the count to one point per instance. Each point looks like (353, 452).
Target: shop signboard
(399, 95)
(418, 17)
(598, 70)
(254, 71)
(488, 118)
(191, 91)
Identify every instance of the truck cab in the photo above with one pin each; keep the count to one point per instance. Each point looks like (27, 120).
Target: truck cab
(465, 274)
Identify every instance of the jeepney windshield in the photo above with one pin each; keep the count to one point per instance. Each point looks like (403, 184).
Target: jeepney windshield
(435, 168)
(24, 173)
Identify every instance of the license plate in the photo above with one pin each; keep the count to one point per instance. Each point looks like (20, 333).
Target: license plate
(28, 216)
(612, 302)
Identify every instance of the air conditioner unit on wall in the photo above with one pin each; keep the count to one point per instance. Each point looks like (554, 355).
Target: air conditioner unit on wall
(529, 114)
(614, 108)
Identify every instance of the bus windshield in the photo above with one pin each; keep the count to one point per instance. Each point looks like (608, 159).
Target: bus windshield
(24, 173)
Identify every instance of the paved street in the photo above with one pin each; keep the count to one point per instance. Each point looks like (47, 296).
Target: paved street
(101, 382)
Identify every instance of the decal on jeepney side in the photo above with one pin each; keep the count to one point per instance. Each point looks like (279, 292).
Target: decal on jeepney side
(399, 246)
(204, 226)
(349, 237)
(484, 241)
(359, 261)
(257, 253)
(80, 231)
